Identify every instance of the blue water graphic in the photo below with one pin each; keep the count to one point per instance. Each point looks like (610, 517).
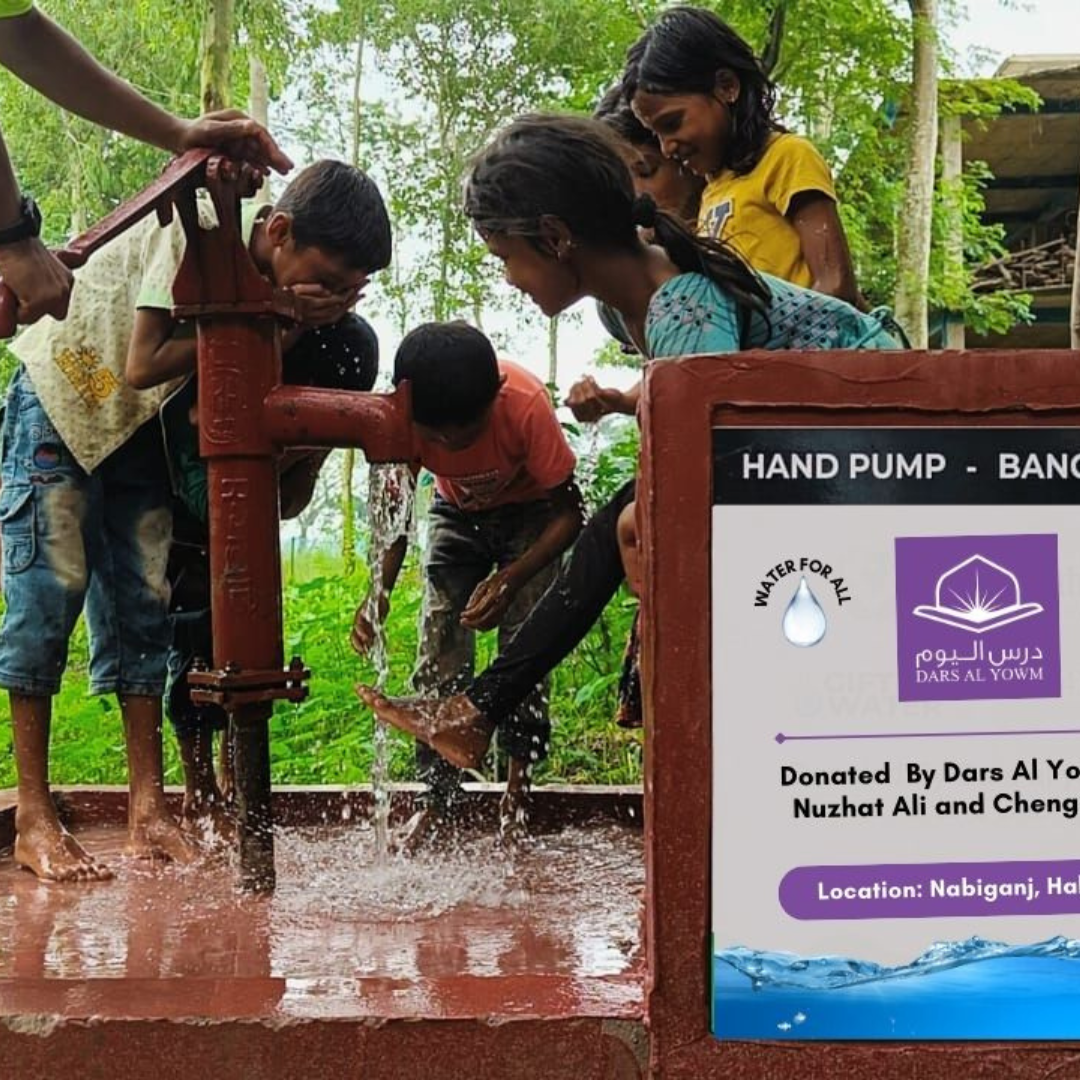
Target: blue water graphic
(974, 989)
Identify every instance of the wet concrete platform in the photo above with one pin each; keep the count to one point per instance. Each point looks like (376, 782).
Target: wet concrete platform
(439, 959)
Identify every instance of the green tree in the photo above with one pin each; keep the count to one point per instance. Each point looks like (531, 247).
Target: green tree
(913, 240)
(217, 37)
(78, 171)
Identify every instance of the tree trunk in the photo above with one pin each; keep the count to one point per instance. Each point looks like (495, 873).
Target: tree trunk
(553, 353)
(258, 91)
(914, 234)
(952, 182)
(258, 101)
(216, 47)
(770, 55)
(1074, 320)
(348, 498)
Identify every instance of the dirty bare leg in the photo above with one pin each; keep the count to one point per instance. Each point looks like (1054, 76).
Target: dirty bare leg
(629, 550)
(453, 726)
(227, 764)
(152, 832)
(42, 845)
(205, 814)
(514, 805)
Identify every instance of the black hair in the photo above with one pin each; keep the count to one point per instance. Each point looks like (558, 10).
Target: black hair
(452, 371)
(343, 356)
(569, 167)
(339, 208)
(614, 110)
(682, 52)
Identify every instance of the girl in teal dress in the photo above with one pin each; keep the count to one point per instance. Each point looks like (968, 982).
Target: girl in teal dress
(553, 200)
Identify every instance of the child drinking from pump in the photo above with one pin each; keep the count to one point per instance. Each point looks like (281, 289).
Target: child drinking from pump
(327, 234)
(506, 507)
(86, 498)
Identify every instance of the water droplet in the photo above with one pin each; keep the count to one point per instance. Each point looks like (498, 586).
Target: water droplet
(804, 621)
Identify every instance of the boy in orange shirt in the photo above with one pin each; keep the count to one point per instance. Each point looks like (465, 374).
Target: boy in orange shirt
(506, 507)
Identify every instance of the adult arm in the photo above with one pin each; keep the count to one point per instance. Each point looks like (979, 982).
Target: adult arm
(490, 599)
(43, 55)
(40, 282)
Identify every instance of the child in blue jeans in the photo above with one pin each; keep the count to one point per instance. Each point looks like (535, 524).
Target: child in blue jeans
(86, 495)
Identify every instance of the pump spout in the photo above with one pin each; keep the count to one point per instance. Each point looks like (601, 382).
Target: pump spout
(378, 424)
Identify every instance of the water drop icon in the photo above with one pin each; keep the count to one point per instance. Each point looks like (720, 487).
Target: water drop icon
(804, 621)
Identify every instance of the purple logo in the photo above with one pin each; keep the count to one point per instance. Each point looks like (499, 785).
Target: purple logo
(977, 617)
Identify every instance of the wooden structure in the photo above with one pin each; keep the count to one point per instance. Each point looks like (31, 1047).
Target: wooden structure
(1034, 193)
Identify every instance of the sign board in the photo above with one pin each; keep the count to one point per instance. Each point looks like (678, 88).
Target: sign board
(896, 738)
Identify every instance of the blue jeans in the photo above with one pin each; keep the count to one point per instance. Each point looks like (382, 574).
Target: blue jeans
(71, 537)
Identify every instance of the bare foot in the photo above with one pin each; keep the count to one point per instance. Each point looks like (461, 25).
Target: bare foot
(154, 835)
(47, 849)
(425, 829)
(453, 727)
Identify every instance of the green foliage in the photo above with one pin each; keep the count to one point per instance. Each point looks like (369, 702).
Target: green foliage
(612, 355)
(870, 188)
(77, 171)
(984, 312)
(984, 99)
(328, 738)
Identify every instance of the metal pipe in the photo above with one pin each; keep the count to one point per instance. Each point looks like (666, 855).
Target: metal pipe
(378, 424)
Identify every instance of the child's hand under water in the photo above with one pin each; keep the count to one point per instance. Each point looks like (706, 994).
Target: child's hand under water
(367, 616)
(489, 601)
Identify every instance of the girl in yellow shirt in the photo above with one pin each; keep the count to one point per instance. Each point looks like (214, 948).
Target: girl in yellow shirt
(769, 194)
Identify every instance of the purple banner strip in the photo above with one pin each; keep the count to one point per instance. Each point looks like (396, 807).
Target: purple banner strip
(932, 890)
(782, 738)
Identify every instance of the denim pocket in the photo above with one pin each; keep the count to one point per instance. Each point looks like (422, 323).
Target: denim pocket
(17, 527)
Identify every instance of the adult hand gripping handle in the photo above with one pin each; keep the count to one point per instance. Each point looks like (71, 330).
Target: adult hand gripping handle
(9, 303)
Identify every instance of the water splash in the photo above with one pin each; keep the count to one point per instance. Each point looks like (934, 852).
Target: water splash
(568, 901)
(765, 969)
(390, 500)
(804, 620)
(588, 464)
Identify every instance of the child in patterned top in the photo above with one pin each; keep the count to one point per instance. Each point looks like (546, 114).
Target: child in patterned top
(553, 200)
